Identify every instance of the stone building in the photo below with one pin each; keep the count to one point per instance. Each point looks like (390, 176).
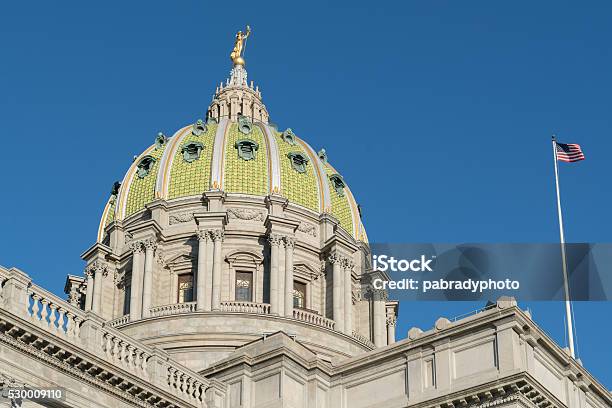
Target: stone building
(231, 270)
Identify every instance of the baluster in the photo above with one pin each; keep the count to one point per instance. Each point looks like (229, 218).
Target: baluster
(60, 319)
(108, 347)
(143, 362)
(130, 357)
(77, 326)
(35, 306)
(116, 355)
(43, 311)
(70, 324)
(52, 316)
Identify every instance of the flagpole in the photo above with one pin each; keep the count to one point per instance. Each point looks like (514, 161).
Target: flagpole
(568, 303)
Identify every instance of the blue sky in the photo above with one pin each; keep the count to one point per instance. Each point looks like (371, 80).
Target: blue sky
(437, 113)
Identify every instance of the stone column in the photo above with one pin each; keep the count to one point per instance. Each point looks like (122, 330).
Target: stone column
(136, 285)
(391, 321)
(202, 296)
(338, 287)
(379, 321)
(275, 241)
(348, 296)
(147, 282)
(90, 289)
(289, 245)
(99, 271)
(217, 237)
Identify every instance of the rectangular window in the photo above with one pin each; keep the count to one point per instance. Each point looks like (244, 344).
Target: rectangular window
(244, 286)
(299, 295)
(185, 288)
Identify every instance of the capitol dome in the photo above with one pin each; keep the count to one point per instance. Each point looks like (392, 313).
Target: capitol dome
(229, 230)
(235, 150)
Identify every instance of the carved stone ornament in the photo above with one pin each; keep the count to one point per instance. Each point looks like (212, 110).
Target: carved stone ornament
(203, 235)
(245, 214)
(391, 320)
(308, 228)
(180, 218)
(198, 128)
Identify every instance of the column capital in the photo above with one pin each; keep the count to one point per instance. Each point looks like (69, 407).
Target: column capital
(203, 234)
(336, 257)
(289, 242)
(391, 320)
(217, 235)
(275, 239)
(136, 246)
(96, 267)
(149, 243)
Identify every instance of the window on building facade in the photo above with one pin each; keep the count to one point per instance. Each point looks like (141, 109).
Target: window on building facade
(185, 288)
(244, 286)
(299, 295)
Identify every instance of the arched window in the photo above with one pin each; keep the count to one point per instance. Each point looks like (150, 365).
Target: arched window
(289, 137)
(145, 166)
(338, 183)
(191, 151)
(247, 149)
(298, 161)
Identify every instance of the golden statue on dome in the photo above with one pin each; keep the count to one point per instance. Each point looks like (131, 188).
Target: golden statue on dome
(239, 46)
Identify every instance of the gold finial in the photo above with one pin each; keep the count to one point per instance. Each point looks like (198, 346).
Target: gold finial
(239, 46)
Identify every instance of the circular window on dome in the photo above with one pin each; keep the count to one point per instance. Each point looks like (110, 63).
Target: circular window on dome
(298, 161)
(289, 137)
(247, 149)
(191, 151)
(145, 166)
(198, 128)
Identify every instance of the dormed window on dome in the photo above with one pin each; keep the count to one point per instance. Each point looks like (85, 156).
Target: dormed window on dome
(289, 137)
(298, 161)
(160, 140)
(198, 128)
(247, 149)
(144, 167)
(191, 151)
(338, 183)
(322, 155)
(244, 124)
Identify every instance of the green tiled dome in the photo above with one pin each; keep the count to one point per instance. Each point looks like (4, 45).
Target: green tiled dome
(170, 170)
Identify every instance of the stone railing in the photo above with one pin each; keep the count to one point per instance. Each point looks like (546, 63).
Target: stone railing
(65, 335)
(175, 308)
(119, 321)
(245, 307)
(313, 318)
(363, 339)
(52, 313)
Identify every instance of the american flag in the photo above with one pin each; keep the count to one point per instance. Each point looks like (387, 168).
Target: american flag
(570, 152)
